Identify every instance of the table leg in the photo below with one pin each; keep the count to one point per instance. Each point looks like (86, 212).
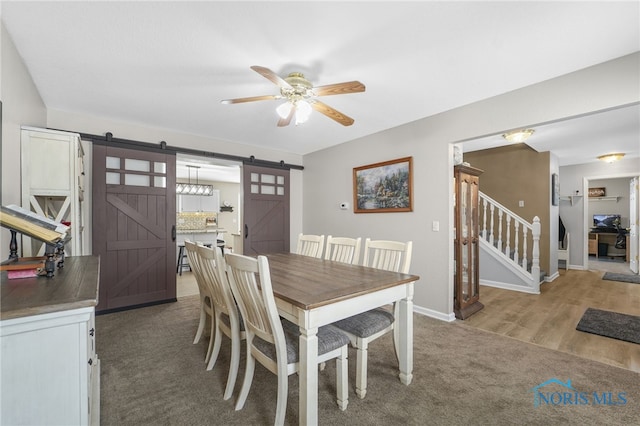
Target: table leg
(308, 376)
(406, 337)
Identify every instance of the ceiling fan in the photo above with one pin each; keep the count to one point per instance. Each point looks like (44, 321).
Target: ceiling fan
(302, 97)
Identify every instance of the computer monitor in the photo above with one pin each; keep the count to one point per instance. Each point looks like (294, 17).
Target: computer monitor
(606, 221)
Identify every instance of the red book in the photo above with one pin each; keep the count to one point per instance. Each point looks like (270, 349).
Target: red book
(22, 273)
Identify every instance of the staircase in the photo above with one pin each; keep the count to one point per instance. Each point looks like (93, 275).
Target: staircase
(509, 248)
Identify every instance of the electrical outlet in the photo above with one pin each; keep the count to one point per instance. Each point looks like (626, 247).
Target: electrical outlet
(521, 203)
(435, 226)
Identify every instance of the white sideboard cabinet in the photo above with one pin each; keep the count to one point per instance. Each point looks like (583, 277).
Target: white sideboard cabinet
(52, 169)
(50, 372)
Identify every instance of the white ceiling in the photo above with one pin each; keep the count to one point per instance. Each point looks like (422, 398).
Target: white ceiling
(580, 140)
(169, 64)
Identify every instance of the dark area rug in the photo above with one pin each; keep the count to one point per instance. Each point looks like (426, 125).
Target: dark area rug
(625, 278)
(611, 324)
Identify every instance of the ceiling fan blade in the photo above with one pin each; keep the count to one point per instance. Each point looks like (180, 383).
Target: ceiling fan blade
(339, 88)
(270, 75)
(332, 113)
(251, 99)
(286, 121)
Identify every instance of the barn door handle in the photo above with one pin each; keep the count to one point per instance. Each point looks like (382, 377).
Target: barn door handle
(173, 233)
(246, 231)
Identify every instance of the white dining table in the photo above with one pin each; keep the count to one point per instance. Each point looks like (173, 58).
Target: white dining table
(313, 292)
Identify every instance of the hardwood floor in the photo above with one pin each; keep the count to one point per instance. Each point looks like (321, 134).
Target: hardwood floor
(550, 318)
(186, 284)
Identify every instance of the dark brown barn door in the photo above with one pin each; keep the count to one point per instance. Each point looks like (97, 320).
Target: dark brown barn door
(266, 210)
(134, 225)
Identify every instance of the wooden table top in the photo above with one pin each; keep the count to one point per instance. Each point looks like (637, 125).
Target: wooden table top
(73, 286)
(308, 283)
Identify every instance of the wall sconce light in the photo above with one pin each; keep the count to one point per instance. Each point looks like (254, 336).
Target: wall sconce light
(610, 158)
(518, 136)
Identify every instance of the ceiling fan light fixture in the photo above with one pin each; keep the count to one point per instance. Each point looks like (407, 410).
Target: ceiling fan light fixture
(303, 111)
(518, 136)
(284, 109)
(610, 158)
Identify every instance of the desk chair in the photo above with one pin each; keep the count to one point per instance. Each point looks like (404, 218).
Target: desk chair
(273, 341)
(368, 326)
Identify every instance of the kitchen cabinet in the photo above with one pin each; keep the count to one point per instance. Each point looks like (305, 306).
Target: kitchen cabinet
(199, 203)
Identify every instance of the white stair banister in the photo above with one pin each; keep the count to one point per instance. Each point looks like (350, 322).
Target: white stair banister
(526, 249)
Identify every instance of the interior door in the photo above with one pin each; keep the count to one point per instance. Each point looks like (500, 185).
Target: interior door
(134, 226)
(266, 210)
(634, 206)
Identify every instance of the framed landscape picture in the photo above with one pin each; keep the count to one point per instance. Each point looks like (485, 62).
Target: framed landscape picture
(383, 187)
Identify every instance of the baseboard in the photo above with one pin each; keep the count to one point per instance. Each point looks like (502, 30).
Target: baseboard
(508, 286)
(434, 314)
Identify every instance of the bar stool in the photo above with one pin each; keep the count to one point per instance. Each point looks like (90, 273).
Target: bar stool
(182, 260)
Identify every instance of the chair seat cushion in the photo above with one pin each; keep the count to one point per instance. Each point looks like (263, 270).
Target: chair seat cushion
(329, 338)
(367, 323)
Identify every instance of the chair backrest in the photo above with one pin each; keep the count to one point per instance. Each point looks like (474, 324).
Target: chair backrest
(250, 281)
(194, 263)
(343, 249)
(310, 245)
(213, 271)
(388, 255)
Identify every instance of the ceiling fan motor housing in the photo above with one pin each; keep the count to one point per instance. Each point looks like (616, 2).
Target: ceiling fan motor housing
(301, 88)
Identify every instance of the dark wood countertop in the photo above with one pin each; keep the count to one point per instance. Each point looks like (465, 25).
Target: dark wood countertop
(73, 286)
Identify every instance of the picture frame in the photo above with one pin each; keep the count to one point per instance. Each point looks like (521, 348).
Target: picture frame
(385, 187)
(597, 192)
(555, 189)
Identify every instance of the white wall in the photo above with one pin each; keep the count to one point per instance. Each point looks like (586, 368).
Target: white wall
(576, 216)
(328, 173)
(21, 105)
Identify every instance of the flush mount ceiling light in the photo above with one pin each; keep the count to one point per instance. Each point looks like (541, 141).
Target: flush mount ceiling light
(610, 158)
(193, 188)
(518, 136)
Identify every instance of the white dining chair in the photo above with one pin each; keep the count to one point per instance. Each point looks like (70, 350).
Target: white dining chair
(227, 318)
(310, 245)
(363, 328)
(274, 341)
(206, 303)
(343, 249)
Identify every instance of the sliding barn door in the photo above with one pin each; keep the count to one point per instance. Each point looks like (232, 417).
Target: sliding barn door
(134, 226)
(266, 210)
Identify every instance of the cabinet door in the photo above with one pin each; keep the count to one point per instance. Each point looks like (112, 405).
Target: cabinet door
(211, 203)
(190, 203)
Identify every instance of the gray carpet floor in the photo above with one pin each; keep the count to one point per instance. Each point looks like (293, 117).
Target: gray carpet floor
(152, 374)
